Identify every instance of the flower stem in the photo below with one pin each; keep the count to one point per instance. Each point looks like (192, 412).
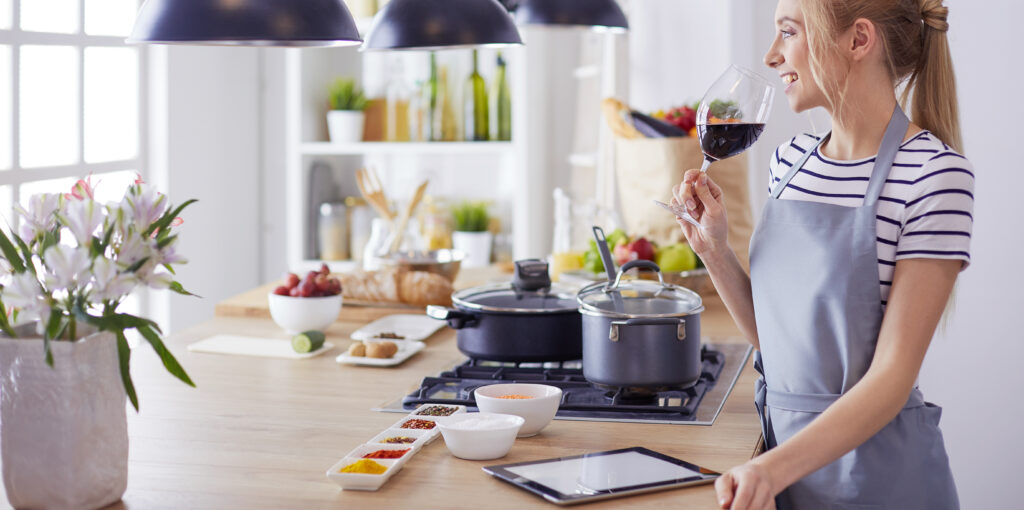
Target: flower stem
(71, 329)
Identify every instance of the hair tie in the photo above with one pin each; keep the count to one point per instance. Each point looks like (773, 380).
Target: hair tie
(933, 15)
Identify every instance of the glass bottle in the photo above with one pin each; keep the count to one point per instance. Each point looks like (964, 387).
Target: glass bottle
(503, 103)
(430, 91)
(475, 106)
(445, 119)
(397, 106)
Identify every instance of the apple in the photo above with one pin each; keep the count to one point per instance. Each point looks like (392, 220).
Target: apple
(675, 258)
(642, 248)
(623, 254)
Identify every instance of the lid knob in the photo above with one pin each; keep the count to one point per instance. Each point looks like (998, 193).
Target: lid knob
(530, 275)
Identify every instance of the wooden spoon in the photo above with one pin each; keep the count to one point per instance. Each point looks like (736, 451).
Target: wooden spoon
(415, 201)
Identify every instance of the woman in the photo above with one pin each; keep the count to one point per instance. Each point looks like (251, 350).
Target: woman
(852, 262)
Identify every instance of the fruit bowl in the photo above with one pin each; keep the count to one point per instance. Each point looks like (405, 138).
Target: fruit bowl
(298, 314)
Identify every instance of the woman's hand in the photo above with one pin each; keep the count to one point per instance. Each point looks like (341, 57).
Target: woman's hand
(707, 206)
(746, 487)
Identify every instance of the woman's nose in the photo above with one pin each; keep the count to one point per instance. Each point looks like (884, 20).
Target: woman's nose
(774, 57)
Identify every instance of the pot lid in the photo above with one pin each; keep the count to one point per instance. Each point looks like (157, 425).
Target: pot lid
(506, 298)
(640, 298)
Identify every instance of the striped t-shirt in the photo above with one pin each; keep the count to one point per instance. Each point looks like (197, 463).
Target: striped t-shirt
(924, 211)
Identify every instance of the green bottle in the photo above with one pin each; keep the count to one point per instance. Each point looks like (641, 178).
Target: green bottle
(476, 117)
(504, 103)
(432, 130)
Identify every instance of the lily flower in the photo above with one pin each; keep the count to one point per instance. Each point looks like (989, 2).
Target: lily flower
(146, 205)
(108, 283)
(39, 217)
(82, 189)
(83, 217)
(66, 266)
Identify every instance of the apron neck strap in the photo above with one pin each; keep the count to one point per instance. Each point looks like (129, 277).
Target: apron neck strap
(891, 142)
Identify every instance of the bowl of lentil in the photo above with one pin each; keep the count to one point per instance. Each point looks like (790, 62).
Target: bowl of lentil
(535, 403)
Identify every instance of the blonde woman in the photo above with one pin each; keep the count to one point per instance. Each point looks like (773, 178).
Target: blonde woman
(852, 262)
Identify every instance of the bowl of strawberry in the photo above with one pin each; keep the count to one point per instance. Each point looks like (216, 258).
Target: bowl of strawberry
(309, 303)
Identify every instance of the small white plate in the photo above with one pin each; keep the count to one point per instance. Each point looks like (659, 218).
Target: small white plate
(409, 326)
(254, 346)
(361, 481)
(405, 351)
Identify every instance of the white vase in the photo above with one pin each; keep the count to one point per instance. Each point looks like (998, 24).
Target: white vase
(345, 126)
(476, 246)
(63, 430)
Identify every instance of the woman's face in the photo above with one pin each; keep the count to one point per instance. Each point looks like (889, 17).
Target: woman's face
(789, 55)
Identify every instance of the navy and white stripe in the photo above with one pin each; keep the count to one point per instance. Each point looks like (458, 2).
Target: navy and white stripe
(925, 209)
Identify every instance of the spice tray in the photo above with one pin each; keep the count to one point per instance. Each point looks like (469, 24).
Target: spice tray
(427, 424)
(421, 437)
(437, 410)
(361, 481)
(361, 451)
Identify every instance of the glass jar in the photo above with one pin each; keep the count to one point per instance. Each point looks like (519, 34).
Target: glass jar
(332, 231)
(360, 220)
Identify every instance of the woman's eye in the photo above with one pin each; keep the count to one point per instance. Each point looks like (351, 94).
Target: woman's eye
(786, 34)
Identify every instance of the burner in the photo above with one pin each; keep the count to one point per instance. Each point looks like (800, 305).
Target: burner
(580, 398)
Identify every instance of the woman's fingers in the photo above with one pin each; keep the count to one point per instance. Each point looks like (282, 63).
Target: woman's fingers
(744, 494)
(706, 194)
(724, 487)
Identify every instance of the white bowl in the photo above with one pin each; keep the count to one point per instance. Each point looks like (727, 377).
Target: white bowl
(479, 436)
(298, 314)
(538, 410)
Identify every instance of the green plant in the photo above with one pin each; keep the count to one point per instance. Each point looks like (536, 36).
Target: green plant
(345, 95)
(471, 216)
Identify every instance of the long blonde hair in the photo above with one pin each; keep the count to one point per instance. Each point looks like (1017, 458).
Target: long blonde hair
(913, 36)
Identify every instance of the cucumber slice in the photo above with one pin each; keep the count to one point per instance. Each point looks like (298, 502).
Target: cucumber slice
(308, 341)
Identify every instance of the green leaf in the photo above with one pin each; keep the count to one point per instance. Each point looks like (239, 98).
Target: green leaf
(135, 267)
(169, 268)
(161, 244)
(170, 363)
(124, 355)
(54, 327)
(176, 287)
(27, 253)
(168, 217)
(11, 253)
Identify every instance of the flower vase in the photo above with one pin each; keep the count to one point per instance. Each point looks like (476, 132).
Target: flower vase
(476, 246)
(63, 429)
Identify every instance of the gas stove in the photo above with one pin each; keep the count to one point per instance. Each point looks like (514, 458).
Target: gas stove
(582, 400)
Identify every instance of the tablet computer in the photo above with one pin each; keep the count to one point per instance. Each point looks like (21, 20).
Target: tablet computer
(601, 475)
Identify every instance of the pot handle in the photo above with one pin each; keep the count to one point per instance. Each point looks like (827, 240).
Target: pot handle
(614, 332)
(642, 264)
(456, 319)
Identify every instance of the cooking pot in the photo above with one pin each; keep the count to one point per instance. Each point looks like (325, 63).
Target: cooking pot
(640, 333)
(525, 320)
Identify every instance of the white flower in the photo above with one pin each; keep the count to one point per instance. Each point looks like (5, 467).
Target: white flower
(168, 254)
(40, 215)
(23, 292)
(83, 217)
(146, 206)
(66, 266)
(108, 283)
(159, 280)
(134, 248)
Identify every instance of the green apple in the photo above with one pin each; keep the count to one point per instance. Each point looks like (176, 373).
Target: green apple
(675, 258)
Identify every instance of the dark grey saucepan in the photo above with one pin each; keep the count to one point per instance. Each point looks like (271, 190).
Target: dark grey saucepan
(650, 338)
(526, 320)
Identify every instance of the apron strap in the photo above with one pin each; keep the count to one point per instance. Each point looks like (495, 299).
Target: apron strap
(818, 402)
(891, 142)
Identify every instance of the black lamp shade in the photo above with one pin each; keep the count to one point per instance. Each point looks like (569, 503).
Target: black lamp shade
(441, 24)
(590, 13)
(246, 23)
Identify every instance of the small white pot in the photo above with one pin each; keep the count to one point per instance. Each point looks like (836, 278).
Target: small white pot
(345, 126)
(63, 430)
(476, 246)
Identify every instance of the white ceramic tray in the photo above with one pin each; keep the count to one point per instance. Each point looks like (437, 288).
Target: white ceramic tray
(416, 412)
(409, 326)
(423, 437)
(254, 346)
(360, 481)
(405, 351)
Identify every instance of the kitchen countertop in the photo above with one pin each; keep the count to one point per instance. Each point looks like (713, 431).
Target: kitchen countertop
(260, 433)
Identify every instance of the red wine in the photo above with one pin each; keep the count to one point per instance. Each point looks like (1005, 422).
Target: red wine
(720, 141)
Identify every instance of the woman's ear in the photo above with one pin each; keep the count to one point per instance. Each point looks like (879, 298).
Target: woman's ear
(862, 39)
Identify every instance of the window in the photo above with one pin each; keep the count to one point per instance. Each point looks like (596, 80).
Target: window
(72, 99)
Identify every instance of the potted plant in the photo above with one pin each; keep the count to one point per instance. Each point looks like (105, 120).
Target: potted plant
(64, 357)
(471, 236)
(345, 118)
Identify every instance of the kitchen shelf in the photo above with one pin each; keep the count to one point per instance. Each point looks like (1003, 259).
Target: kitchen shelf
(397, 148)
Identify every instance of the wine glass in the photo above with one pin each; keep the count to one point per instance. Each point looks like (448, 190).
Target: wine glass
(731, 117)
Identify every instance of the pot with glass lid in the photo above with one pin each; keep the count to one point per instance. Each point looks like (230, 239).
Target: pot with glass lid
(528, 319)
(640, 333)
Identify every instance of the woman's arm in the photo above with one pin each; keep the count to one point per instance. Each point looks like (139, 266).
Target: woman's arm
(711, 243)
(920, 290)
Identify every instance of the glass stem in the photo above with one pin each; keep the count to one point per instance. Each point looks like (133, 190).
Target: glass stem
(704, 166)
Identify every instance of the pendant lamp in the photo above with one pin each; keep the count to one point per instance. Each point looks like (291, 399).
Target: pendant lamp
(441, 24)
(601, 14)
(246, 23)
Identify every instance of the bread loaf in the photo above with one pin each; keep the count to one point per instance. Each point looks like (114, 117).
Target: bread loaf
(418, 288)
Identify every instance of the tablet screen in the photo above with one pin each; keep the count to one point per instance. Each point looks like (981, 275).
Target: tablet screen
(601, 474)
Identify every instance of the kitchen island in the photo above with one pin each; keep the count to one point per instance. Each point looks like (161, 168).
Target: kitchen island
(261, 432)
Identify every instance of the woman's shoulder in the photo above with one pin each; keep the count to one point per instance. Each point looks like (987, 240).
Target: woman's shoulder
(934, 158)
(791, 150)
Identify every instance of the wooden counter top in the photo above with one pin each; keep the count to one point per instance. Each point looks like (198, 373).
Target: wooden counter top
(260, 433)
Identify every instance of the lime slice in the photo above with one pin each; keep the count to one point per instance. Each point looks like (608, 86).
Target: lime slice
(307, 341)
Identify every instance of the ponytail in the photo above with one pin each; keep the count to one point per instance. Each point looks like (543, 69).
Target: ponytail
(933, 105)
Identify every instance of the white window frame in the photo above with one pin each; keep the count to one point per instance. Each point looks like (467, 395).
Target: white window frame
(15, 176)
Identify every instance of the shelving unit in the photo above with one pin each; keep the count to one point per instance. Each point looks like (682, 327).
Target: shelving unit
(495, 171)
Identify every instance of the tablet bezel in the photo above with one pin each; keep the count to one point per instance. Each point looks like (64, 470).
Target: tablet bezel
(501, 472)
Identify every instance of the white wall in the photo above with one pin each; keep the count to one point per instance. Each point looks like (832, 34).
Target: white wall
(205, 145)
(973, 366)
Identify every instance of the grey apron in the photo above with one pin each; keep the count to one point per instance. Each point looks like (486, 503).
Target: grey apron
(814, 276)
